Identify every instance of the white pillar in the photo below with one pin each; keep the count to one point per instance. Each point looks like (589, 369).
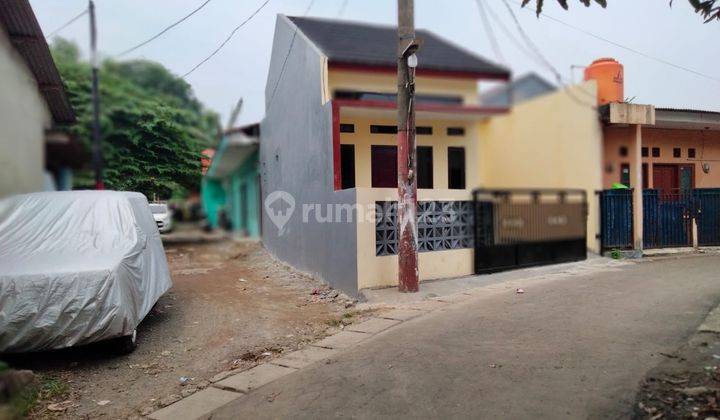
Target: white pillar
(637, 183)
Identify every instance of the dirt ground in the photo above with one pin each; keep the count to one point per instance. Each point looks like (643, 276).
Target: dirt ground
(231, 306)
(685, 385)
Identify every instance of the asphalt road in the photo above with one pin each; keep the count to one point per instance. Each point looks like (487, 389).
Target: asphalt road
(570, 348)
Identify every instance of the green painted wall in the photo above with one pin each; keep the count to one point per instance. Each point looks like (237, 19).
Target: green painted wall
(213, 199)
(242, 189)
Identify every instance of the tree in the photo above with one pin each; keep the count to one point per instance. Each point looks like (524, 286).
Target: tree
(153, 128)
(706, 8)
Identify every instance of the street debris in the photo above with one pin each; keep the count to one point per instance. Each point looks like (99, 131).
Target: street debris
(271, 397)
(686, 384)
(188, 390)
(61, 406)
(103, 402)
(519, 291)
(170, 399)
(184, 380)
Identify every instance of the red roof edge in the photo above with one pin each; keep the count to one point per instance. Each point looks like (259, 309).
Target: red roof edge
(462, 109)
(366, 68)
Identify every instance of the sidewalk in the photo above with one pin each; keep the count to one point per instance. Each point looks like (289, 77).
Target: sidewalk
(375, 298)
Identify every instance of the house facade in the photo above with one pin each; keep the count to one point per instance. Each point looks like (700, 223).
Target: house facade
(328, 156)
(663, 160)
(679, 151)
(231, 184)
(35, 155)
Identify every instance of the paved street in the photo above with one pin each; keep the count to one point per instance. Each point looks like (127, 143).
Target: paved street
(574, 347)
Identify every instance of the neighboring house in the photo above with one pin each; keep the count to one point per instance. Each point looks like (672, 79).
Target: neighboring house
(680, 150)
(34, 154)
(231, 185)
(667, 157)
(519, 90)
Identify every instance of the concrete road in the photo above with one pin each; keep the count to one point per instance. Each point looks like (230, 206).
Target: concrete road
(569, 348)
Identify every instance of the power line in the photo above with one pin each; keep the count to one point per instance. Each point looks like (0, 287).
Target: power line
(530, 44)
(161, 33)
(534, 48)
(287, 55)
(489, 32)
(68, 23)
(229, 37)
(632, 50)
(519, 45)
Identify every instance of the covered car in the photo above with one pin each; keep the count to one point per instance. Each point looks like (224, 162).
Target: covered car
(77, 267)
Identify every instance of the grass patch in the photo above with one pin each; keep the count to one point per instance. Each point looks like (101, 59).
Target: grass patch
(50, 389)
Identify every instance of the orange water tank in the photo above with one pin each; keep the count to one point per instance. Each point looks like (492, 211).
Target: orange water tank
(610, 76)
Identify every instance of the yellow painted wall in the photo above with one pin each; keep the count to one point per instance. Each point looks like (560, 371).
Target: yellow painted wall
(387, 83)
(374, 271)
(439, 141)
(553, 141)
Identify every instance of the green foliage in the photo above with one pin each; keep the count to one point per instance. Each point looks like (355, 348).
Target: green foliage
(706, 8)
(34, 397)
(153, 128)
(616, 254)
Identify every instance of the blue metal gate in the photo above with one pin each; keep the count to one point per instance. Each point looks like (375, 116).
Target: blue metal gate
(708, 216)
(667, 218)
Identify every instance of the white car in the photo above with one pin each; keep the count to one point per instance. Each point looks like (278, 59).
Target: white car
(163, 216)
(77, 267)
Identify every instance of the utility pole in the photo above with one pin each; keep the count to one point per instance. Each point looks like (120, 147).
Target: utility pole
(96, 150)
(407, 167)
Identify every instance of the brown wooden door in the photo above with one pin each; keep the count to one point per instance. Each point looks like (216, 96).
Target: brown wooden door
(384, 166)
(665, 178)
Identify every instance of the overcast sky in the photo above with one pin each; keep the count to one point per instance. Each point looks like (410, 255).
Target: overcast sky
(673, 34)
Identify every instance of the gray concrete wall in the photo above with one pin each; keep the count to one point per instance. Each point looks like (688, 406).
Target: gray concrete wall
(24, 116)
(296, 156)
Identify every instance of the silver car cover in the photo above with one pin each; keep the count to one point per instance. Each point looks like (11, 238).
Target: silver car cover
(76, 267)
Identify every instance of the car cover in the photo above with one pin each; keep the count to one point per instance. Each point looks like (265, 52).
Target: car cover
(76, 267)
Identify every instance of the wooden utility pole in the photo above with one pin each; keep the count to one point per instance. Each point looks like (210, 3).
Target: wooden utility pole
(96, 149)
(407, 166)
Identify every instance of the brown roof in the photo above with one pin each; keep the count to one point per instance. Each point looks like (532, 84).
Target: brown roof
(19, 21)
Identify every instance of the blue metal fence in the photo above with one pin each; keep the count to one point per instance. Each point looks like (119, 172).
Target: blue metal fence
(667, 218)
(616, 219)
